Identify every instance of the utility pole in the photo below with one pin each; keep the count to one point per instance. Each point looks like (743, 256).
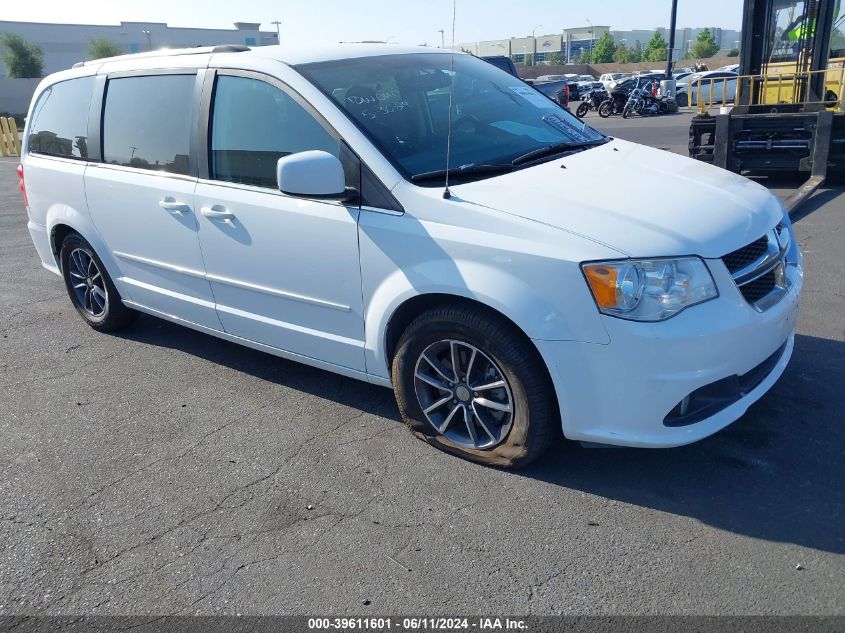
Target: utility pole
(149, 39)
(672, 22)
(442, 38)
(278, 32)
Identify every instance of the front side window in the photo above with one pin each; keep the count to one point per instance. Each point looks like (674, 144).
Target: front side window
(60, 119)
(147, 122)
(253, 125)
(402, 103)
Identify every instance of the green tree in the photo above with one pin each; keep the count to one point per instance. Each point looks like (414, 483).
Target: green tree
(557, 59)
(604, 49)
(100, 47)
(655, 50)
(637, 52)
(705, 45)
(622, 54)
(23, 60)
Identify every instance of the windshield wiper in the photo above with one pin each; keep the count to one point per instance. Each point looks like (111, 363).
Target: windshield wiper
(463, 170)
(555, 148)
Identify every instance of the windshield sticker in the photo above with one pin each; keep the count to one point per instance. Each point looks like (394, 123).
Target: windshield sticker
(567, 128)
(534, 97)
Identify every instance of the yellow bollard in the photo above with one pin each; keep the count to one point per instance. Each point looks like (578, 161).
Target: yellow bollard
(16, 139)
(8, 147)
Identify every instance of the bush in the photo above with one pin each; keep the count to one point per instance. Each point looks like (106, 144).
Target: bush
(734, 52)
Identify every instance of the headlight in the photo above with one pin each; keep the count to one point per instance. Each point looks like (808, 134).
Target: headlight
(649, 289)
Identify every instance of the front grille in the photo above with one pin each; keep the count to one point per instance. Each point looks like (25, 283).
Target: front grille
(755, 290)
(759, 268)
(746, 255)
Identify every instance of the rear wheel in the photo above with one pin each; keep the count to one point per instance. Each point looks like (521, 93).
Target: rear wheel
(582, 110)
(468, 384)
(90, 288)
(606, 109)
(682, 99)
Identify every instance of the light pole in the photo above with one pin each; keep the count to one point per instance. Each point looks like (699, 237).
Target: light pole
(442, 38)
(149, 39)
(592, 35)
(278, 24)
(534, 40)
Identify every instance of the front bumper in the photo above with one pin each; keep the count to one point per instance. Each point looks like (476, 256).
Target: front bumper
(620, 393)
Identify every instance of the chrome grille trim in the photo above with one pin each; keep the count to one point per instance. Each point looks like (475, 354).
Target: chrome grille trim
(772, 262)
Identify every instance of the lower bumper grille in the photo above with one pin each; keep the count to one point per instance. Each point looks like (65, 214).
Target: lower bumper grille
(717, 396)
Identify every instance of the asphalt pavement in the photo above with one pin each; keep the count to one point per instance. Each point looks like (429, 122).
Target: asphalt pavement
(165, 471)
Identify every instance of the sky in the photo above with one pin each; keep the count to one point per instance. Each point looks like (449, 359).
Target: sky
(405, 22)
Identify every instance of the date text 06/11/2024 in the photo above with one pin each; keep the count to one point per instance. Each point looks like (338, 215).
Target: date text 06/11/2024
(417, 624)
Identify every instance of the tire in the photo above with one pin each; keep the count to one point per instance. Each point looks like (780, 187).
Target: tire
(90, 288)
(606, 109)
(682, 100)
(626, 112)
(505, 438)
(582, 110)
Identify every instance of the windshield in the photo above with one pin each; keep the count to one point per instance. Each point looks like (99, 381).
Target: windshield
(401, 102)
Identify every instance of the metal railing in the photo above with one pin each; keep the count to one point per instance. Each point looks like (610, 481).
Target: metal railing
(774, 88)
(10, 141)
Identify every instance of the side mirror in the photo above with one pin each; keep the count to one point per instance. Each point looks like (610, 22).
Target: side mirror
(313, 174)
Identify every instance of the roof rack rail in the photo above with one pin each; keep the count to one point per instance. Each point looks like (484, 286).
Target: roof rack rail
(230, 48)
(171, 52)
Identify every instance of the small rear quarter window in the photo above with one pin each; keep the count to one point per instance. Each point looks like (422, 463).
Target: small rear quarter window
(60, 119)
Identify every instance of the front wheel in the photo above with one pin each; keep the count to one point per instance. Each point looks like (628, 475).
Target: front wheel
(582, 110)
(467, 383)
(90, 288)
(626, 112)
(606, 109)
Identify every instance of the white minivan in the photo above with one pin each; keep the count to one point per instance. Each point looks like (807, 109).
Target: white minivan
(296, 201)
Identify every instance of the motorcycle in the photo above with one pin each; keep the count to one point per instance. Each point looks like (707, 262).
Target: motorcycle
(643, 103)
(592, 100)
(614, 104)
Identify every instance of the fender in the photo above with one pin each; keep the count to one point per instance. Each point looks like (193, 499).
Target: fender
(80, 222)
(515, 298)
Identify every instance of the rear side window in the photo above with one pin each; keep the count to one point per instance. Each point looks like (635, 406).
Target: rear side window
(60, 119)
(147, 122)
(253, 125)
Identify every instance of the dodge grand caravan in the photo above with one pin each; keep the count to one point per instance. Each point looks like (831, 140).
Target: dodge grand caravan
(406, 217)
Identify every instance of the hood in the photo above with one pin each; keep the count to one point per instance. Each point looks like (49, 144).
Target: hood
(641, 201)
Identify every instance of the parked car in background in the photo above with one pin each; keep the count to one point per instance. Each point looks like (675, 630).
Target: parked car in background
(587, 83)
(712, 86)
(607, 78)
(733, 68)
(542, 78)
(502, 62)
(557, 89)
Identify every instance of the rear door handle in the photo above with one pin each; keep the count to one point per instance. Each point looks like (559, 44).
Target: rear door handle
(217, 212)
(169, 204)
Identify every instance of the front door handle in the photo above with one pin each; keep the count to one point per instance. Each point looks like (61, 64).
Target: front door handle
(217, 212)
(170, 204)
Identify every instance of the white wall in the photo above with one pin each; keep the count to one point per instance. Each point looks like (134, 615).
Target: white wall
(15, 94)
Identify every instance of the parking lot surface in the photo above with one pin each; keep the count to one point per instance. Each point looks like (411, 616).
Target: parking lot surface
(165, 471)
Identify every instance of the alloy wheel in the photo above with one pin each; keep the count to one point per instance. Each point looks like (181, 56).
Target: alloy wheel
(87, 282)
(463, 394)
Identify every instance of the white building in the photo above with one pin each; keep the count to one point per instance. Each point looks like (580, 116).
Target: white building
(66, 44)
(570, 43)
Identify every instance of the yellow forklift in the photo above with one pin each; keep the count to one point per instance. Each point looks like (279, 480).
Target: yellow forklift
(788, 112)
